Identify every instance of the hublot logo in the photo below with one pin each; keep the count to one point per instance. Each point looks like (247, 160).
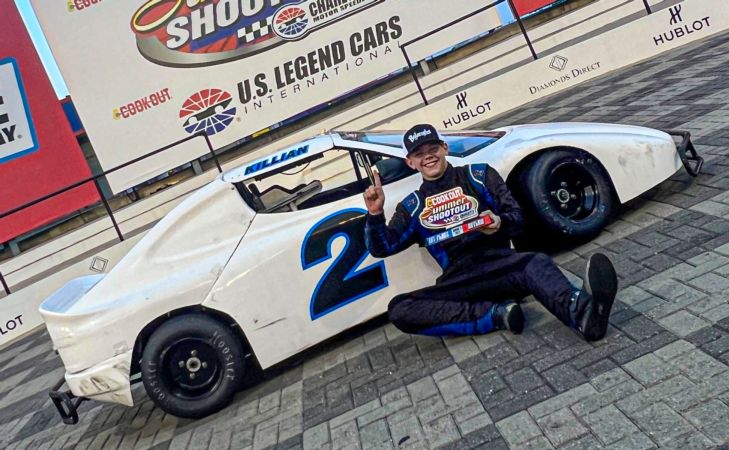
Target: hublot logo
(684, 28)
(469, 114)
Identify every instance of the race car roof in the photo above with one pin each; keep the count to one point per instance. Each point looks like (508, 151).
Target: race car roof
(277, 159)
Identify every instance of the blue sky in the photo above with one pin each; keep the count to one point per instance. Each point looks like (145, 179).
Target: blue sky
(31, 22)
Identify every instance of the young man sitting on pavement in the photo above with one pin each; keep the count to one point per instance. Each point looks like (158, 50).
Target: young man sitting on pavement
(482, 274)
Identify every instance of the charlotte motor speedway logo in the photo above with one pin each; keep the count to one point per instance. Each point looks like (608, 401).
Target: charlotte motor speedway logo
(194, 33)
(209, 110)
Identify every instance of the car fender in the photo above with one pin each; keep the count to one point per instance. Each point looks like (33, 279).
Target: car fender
(636, 158)
(173, 266)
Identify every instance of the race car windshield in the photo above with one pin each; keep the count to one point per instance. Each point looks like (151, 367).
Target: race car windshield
(459, 145)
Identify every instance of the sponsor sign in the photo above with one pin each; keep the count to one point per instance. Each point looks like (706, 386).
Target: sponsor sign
(527, 6)
(168, 68)
(17, 134)
(576, 64)
(567, 73)
(39, 153)
(448, 209)
(680, 29)
(466, 112)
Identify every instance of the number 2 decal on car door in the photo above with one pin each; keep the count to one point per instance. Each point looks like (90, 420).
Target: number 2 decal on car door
(344, 281)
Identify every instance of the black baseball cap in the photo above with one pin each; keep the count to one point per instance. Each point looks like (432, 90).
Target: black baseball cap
(419, 135)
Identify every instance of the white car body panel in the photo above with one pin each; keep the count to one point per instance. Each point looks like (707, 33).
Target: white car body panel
(636, 158)
(268, 293)
(174, 265)
(214, 250)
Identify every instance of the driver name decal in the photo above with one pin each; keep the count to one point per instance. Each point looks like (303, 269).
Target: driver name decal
(277, 159)
(448, 209)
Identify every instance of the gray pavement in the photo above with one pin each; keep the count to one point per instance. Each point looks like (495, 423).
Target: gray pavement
(659, 379)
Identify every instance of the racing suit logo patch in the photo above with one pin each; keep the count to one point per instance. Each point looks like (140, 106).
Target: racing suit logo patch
(448, 209)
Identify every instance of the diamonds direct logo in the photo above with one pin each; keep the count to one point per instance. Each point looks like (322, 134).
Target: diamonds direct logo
(209, 110)
(558, 63)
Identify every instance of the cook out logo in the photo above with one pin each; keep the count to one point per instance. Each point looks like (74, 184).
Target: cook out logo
(448, 209)
(194, 33)
(209, 110)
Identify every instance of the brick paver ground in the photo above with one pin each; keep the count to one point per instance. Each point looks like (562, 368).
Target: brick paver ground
(659, 379)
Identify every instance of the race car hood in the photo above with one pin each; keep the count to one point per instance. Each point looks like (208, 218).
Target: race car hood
(545, 130)
(174, 265)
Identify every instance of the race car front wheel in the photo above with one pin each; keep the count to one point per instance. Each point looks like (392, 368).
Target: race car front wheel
(192, 366)
(568, 194)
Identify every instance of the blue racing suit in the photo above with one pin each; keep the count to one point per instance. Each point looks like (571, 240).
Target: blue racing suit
(478, 269)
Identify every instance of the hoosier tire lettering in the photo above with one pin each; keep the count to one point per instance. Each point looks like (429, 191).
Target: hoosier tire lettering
(192, 365)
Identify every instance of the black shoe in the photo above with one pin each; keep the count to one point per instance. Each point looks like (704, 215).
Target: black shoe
(601, 286)
(508, 316)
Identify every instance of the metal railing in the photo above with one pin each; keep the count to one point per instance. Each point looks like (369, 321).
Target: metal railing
(413, 68)
(95, 179)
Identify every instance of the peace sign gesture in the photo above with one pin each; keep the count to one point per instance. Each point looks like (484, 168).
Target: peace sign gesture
(374, 196)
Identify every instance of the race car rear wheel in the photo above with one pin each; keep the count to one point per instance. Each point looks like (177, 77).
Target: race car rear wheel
(568, 194)
(192, 366)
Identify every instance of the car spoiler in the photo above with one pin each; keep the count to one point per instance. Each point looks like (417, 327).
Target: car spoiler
(66, 403)
(691, 160)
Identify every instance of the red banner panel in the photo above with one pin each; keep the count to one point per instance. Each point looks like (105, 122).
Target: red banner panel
(39, 153)
(524, 7)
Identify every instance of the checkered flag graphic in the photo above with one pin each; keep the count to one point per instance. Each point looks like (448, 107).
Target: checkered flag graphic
(255, 30)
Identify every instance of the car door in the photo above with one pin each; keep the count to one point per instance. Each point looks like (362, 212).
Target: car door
(302, 272)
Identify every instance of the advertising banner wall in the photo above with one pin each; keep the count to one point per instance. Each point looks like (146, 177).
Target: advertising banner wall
(681, 24)
(526, 6)
(19, 311)
(146, 73)
(39, 153)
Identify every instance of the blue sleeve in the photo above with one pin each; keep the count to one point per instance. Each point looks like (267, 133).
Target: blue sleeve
(388, 239)
(511, 214)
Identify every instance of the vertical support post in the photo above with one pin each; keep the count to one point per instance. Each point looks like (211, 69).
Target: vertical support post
(415, 75)
(212, 152)
(108, 210)
(523, 29)
(647, 7)
(5, 285)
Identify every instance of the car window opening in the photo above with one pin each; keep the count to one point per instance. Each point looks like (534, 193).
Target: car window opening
(318, 180)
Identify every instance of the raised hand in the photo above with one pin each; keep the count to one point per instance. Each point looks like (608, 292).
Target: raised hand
(374, 196)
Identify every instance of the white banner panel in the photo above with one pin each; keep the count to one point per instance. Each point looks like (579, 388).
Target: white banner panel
(146, 73)
(681, 24)
(19, 311)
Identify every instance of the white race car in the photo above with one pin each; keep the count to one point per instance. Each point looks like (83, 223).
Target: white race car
(269, 259)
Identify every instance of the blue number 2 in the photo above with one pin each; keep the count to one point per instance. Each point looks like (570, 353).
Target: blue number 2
(344, 282)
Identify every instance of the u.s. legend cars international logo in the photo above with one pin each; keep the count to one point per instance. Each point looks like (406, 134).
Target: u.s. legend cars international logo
(209, 110)
(17, 133)
(448, 209)
(194, 33)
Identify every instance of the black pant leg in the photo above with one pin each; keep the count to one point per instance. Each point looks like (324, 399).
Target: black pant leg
(431, 307)
(547, 283)
(468, 296)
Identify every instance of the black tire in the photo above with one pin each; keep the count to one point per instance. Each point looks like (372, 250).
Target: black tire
(192, 366)
(568, 195)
